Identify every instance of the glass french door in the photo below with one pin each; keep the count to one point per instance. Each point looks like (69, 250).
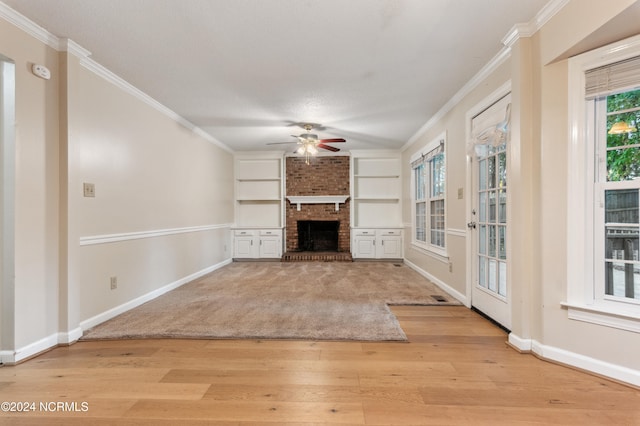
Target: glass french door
(489, 228)
(492, 221)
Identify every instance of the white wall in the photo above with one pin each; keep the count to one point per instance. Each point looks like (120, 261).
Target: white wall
(538, 71)
(79, 127)
(150, 174)
(453, 123)
(35, 308)
(605, 350)
(163, 204)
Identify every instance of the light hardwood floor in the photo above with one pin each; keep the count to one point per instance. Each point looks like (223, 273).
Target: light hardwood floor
(456, 370)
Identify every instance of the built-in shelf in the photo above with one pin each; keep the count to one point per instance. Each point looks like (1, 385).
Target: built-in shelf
(258, 190)
(318, 199)
(376, 189)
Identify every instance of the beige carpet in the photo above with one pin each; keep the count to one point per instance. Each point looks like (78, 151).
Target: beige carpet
(306, 300)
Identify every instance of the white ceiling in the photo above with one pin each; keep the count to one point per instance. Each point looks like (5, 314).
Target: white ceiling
(245, 71)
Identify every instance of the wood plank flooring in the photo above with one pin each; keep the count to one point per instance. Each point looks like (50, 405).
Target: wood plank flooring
(456, 370)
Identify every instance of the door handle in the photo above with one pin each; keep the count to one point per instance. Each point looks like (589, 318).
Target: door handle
(471, 225)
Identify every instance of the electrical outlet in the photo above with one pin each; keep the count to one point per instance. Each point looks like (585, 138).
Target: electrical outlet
(460, 193)
(114, 283)
(450, 266)
(89, 189)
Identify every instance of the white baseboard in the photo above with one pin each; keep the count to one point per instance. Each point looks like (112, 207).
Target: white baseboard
(453, 292)
(7, 357)
(107, 315)
(585, 363)
(62, 338)
(550, 353)
(523, 345)
(30, 350)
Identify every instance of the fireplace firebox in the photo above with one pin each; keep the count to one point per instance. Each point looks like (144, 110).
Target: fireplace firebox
(318, 235)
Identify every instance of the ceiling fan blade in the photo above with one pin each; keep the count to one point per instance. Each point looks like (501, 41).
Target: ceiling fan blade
(280, 143)
(328, 148)
(331, 140)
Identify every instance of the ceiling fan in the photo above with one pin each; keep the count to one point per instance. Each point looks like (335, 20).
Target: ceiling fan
(309, 143)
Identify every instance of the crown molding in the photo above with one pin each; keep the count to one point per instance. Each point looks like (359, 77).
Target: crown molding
(542, 17)
(518, 31)
(475, 81)
(69, 46)
(28, 26)
(119, 82)
(547, 12)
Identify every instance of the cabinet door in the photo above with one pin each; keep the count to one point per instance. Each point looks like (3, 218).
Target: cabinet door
(270, 247)
(390, 247)
(365, 247)
(245, 247)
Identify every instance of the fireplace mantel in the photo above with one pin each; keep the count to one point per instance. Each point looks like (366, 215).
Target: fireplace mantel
(317, 199)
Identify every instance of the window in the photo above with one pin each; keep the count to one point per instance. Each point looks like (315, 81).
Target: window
(436, 199)
(618, 183)
(604, 170)
(428, 193)
(421, 204)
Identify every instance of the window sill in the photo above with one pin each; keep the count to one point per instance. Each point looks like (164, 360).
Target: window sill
(441, 256)
(607, 317)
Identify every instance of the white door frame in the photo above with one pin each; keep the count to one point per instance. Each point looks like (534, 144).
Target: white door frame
(7, 209)
(496, 95)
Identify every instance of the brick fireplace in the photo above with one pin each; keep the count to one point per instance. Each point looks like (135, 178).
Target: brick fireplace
(324, 176)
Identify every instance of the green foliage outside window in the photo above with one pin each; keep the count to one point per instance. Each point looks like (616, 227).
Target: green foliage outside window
(623, 161)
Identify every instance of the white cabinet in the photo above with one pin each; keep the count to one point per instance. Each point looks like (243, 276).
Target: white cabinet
(270, 243)
(257, 243)
(390, 246)
(364, 244)
(377, 243)
(376, 210)
(259, 205)
(245, 244)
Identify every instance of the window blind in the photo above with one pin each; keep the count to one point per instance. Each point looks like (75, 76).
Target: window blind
(612, 78)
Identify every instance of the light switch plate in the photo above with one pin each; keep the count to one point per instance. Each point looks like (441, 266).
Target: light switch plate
(89, 189)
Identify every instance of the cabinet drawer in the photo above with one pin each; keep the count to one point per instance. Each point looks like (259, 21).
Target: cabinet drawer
(270, 232)
(244, 233)
(365, 232)
(389, 232)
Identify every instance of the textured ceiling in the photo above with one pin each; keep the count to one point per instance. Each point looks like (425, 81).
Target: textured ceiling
(246, 71)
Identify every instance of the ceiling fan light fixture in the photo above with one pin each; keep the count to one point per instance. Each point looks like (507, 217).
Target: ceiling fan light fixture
(309, 144)
(620, 127)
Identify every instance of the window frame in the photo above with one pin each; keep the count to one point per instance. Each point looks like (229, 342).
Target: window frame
(585, 232)
(428, 197)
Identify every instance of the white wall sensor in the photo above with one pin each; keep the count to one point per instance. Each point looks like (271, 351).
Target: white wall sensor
(41, 71)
